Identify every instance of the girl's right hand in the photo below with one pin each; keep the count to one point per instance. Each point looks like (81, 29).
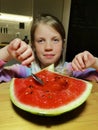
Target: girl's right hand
(21, 51)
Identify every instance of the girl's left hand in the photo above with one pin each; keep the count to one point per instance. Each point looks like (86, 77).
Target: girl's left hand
(83, 60)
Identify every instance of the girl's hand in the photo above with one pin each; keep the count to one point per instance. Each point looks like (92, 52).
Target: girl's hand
(21, 51)
(84, 60)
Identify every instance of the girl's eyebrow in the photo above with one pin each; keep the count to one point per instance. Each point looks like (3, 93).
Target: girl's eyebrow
(39, 37)
(56, 37)
(42, 37)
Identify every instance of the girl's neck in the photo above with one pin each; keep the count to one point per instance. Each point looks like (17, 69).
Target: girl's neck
(43, 66)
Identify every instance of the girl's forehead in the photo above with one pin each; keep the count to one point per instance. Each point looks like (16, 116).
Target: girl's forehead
(45, 28)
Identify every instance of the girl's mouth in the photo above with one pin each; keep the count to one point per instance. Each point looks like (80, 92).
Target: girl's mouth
(49, 56)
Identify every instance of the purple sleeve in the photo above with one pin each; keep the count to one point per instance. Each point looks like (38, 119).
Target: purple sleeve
(17, 70)
(90, 74)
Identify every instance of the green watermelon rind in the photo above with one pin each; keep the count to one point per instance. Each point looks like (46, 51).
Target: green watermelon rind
(56, 111)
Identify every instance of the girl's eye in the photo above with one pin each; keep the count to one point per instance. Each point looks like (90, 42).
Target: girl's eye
(40, 41)
(56, 40)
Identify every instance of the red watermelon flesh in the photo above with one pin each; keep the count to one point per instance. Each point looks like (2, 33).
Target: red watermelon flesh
(58, 94)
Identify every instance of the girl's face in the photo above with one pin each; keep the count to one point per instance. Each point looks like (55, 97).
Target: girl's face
(48, 44)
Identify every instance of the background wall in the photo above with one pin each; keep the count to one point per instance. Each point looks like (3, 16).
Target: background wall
(21, 7)
(54, 7)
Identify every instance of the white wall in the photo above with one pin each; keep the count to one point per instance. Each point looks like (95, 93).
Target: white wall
(65, 21)
(66, 15)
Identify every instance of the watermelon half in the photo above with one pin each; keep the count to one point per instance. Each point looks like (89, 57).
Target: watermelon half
(58, 95)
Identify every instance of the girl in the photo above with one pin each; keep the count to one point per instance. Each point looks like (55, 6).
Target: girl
(48, 42)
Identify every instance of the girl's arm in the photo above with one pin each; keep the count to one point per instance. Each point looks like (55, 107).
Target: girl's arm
(85, 66)
(4, 55)
(19, 50)
(17, 70)
(90, 74)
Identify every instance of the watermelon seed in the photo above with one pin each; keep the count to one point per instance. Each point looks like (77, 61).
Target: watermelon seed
(47, 91)
(43, 95)
(57, 77)
(31, 92)
(66, 83)
(30, 86)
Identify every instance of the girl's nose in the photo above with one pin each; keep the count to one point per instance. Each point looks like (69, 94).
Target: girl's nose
(48, 46)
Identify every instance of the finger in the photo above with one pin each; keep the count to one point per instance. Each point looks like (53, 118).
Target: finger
(89, 59)
(15, 44)
(26, 54)
(23, 47)
(82, 60)
(76, 66)
(28, 61)
(85, 58)
(79, 62)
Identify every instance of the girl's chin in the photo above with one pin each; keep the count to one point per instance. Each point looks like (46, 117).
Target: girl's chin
(47, 64)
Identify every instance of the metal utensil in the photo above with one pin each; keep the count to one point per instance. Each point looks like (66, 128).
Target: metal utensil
(37, 79)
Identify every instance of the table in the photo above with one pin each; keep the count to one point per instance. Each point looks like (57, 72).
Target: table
(84, 117)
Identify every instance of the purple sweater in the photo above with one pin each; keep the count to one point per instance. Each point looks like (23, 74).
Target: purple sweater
(18, 70)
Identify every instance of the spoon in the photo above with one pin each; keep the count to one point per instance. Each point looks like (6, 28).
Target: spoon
(37, 79)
